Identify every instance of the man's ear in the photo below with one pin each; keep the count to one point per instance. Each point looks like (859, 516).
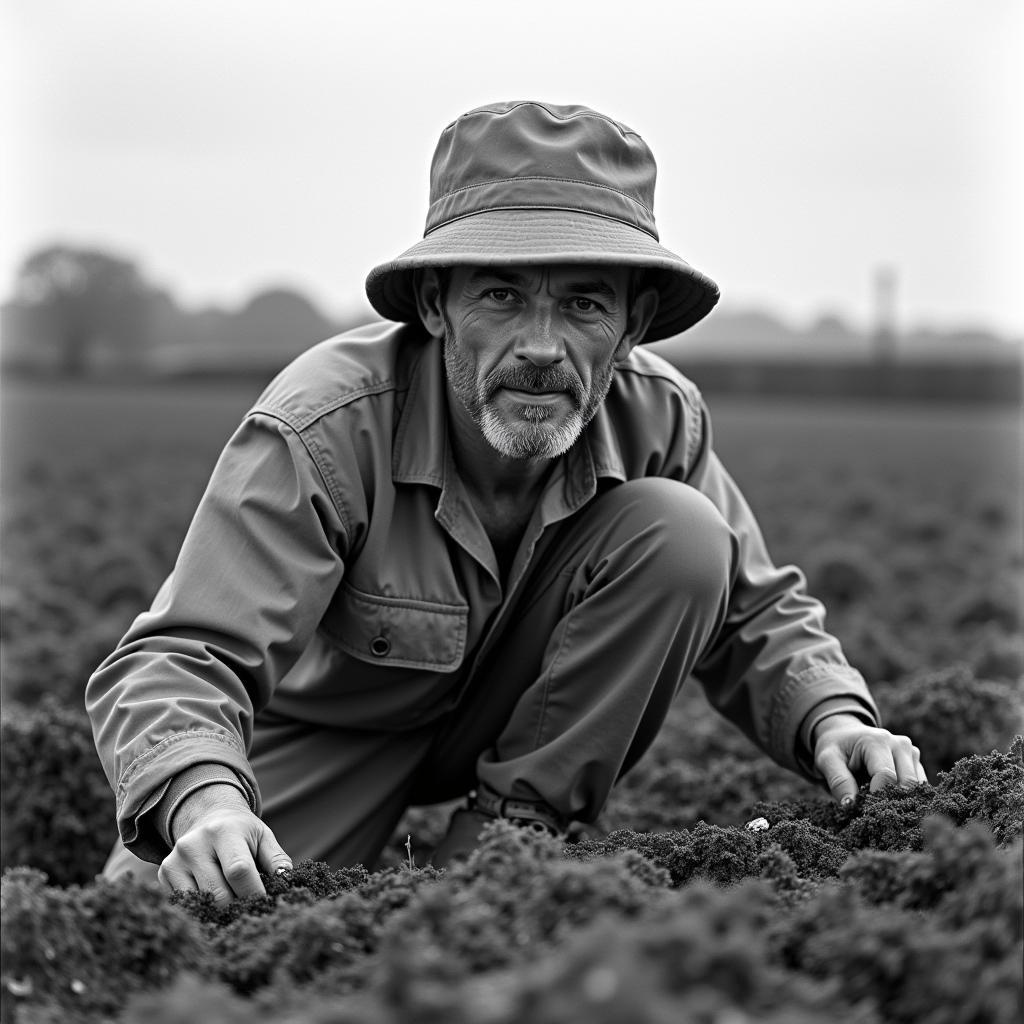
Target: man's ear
(641, 313)
(429, 298)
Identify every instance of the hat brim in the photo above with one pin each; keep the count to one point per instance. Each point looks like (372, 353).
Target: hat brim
(547, 236)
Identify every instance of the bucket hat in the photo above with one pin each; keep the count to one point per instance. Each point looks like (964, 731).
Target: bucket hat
(528, 183)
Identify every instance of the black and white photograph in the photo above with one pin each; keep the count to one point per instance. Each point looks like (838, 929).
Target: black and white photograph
(512, 514)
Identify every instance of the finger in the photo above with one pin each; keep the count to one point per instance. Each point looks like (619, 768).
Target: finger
(879, 764)
(906, 766)
(196, 857)
(838, 777)
(238, 868)
(172, 875)
(210, 878)
(270, 856)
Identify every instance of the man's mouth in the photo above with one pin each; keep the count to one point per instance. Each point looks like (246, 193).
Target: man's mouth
(530, 397)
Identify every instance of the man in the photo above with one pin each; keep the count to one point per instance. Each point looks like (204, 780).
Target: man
(474, 550)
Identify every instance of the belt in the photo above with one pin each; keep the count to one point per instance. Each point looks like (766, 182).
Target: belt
(527, 813)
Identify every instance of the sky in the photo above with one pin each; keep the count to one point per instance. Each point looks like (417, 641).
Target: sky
(232, 145)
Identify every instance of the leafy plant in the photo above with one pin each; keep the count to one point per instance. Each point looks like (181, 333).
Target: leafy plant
(58, 810)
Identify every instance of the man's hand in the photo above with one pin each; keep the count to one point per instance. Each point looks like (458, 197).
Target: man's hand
(843, 744)
(220, 846)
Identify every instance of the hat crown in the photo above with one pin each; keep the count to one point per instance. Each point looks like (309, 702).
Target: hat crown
(528, 155)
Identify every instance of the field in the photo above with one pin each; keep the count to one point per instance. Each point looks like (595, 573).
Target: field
(907, 907)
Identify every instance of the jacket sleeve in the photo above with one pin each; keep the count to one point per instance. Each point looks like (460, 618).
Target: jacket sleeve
(257, 569)
(773, 668)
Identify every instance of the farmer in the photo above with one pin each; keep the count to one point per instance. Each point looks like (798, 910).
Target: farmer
(474, 550)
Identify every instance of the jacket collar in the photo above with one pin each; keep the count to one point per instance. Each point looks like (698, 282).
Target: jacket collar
(421, 437)
(603, 442)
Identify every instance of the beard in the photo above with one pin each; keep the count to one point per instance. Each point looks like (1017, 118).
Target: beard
(541, 432)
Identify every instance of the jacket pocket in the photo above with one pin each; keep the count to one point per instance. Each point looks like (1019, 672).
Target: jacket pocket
(397, 632)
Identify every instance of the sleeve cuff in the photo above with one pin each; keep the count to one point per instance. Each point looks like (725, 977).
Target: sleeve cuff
(183, 785)
(144, 784)
(828, 707)
(802, 697)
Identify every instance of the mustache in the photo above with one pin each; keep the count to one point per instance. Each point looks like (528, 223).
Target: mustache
(535, 378)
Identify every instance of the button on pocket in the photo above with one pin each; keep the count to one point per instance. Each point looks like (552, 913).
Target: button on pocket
(380, 646)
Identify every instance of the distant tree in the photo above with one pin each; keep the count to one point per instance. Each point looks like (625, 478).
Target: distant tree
(84, 300)
(279, 319)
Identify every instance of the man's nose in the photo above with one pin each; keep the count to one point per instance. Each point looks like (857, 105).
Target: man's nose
(540, 338)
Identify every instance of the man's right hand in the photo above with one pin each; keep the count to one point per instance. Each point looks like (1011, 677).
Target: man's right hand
(220, 846)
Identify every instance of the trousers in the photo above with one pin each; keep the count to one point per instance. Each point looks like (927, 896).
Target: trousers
(619, 603)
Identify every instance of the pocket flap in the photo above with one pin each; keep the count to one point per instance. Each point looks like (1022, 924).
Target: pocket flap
(398, 632)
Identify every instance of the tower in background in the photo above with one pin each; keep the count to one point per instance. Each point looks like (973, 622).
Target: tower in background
(884, 334)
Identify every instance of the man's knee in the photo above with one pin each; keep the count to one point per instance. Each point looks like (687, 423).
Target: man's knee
(676, 532)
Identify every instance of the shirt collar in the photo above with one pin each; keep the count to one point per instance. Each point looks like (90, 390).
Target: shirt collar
(603, 445)
(421, 438)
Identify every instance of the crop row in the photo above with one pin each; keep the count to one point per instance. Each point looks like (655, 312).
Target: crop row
(900, 909)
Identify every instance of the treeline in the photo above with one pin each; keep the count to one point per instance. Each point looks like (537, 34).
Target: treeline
(78, 312)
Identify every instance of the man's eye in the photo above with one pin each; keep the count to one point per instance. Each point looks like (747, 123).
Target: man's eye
(583, 305)
(500, 294)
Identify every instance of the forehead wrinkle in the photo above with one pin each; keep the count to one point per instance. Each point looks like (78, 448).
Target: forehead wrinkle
(490, 274)
(538, 281)
(591, 286)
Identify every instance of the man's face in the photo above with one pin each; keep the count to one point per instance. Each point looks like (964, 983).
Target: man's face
(529, 350)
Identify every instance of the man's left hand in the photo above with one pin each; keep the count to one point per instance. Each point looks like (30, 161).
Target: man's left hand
(843, 744)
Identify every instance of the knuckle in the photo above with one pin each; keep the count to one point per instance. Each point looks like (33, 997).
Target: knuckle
(826, 754)
(236, 870)
(190, 841)
(168, 871)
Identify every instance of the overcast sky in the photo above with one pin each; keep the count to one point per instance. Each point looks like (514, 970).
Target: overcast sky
(230, 145)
